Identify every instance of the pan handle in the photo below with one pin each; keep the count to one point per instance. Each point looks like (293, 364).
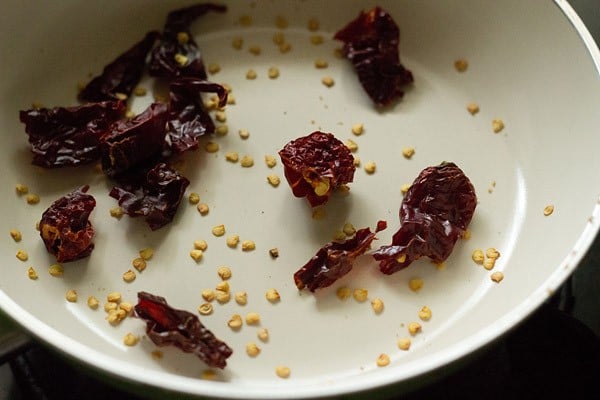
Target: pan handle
(12, 339)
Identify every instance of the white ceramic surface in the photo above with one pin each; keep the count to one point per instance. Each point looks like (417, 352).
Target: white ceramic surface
(532, 64)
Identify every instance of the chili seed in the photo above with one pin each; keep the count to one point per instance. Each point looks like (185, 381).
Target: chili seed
(477, 256)
(415, 284)
(263, 334)
(408, 152)
(130, 339)
(321, 63)
(377, 305)
(205, 309)
(218, 230)
(93, 302)
(202, 208)
(22, 255)
(56, 270)
(194, 198)
(343, 293)
(252, 318)
(251, 74)
(473, 108)
(196, 254)
(328, 81)
(273, 180)
(370, 167)
(404, 343)
(248, 245)
(282, 371)
(461, 65)
(358, 129)
(224, 272)
(233, 240)
(237, 43)
(497, 276)
(247, 161)
(129, 276)
(241, 298)
(116, 212)
(383, 360)
(414, 328)
(139, 263)
(232, 156)
(71, 295)
(235, 322)
(252, 349)
(21, 189)
(549, 209)
(200, 245)
(360, 295)
(425, 313)
(16, 235)
(208, 294)
(274, 252)
(272, 295)
(270, 161)
(31, 273)
(497, 125)
(273, 73)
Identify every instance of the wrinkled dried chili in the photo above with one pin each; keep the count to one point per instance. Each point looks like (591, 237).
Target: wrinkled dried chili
(120, 77)
(335, 259)
(315, 165)
(434, 214)
(166, 326)
(371, 43)
(69, 136)
(178, 54)
(65, 227)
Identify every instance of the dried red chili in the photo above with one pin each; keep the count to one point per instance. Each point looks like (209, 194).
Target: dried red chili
(155, 195)
(371, 43)
(65, 227)
(335, 259)
(188, 118)
(128, 143)
(177, 53)
(68, 136)
(122, 75)
(166, 326)
(315, 165)
(434, 214)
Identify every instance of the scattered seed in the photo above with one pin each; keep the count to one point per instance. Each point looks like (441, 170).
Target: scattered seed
(113, 297)
(252, 318)
(241, 298)
(251, 74)
(477, 256)
(321, 63)
(222, 286)
(211, 147)
(343, 293)
(351, 145)
(130, 339)
(263, 334)
(200, 245)
(492, 253)
(370, 167)
(205, 309)
(222, 297)
(208, 294)
(32, 199)
(127, 307)
(248, 245)
(224, 272)
(194, 198)
(404, 343)
(313, 24)
(255, 49)
(274, 252)
(328, 81)
(213, 68)
(235, 322)
(247, 161)
(272, 295)
(22, 255)
(56, 270)
(358, 129)
(349, 229)
(270, 160)
(281, 22)
(383, 360)
(93, 302)
(377, 305)
(282, 371)
(318, 213)
(202, 208)
(237, 43)
(232, 156)
(196, 254)
(116, 212)
(497, 276)
(244, 134)
(473, 108)
(425, 313)
(339, 236)
(317, 39)
(273, 180)
(549, 209)
(71, 295)
(16, 235)
(404, 188)
(218, 230)
(232, 241)
(129, 276)
(414, 328)
(32, 274)
(278, 38)
(408, 152)
(497, 125)
(360, 295)
(466, 235)
(222, 130)
(21, 189)
(252, 349)
(181, 59)
(415, 284)
(285, 47)
(110, 306)
(273, 73)
(461, 65)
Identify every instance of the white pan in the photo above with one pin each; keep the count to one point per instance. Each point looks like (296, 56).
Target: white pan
(531, 64)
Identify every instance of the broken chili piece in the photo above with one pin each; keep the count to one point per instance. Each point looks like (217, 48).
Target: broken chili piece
(434, 214)
(120, 77)
(69, 136)
(128, 143)
(156, 195)
(335, 259)
(178, 54)
(166, 326)
(315, 165)
(371, 43)
(65, 227)
(188, 118)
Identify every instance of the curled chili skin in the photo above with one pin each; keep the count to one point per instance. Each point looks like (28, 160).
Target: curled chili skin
(69, 136)
(188, 118)
(122, 75)
(65, 227)
(371, 43)
(315, 165)
(163, 60)
(168, 326)
(128, 143)
(155, 194)
(335, 259)
(434, 214)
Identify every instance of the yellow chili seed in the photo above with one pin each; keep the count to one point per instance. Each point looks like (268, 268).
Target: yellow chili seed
(244, 134)
(321, 63)
(497, 125)
(200, 245)
(56, 270)
(473, 108)
(492, 253)
(241, 298)
(251, 74)
(213, 68)
(274, 252)
(285, 47)
(16, 235)
(270, 160)
(425, 313)
(202, 208)
(317, 39)
(205, 309)
(196, 254)
(235, 322)
(461, 65)
(351, 145)
(272, 295)
(497, 276)
(549, 209)
(252, 349)
(130, 339)
(377, 305)
(232, 241)
(31, 273)
(263, 334)
(404, 343)
(343, 293)
(194, 198)
(477, 256)
(113, 297)
(349, 229)
(222, 130)
(222, 296)
(313, 24)
(129, 276)
(328, 81)
(283, 371)
(110, 306)
(32, 199)
(370, 167)
(255, 49)
(273, 180)
(247, 161)
(237, 43)
(273, 73)
(93, 302)
(360, 295)
(232, 156)
(383, 360)
(127, 307)
(71, 295)
(222, 286)
(22, 255)
(21, 189)
(248, 245)
(208, 294)
(415, 284)
(358, 129)
(404, 188)
(252, 318)
(408, 152)
(281, 22)
(414, 328)
(116, 212)
(278, 38)
(211, 147)
(139, 263)
(224, 272)
(218, 230)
